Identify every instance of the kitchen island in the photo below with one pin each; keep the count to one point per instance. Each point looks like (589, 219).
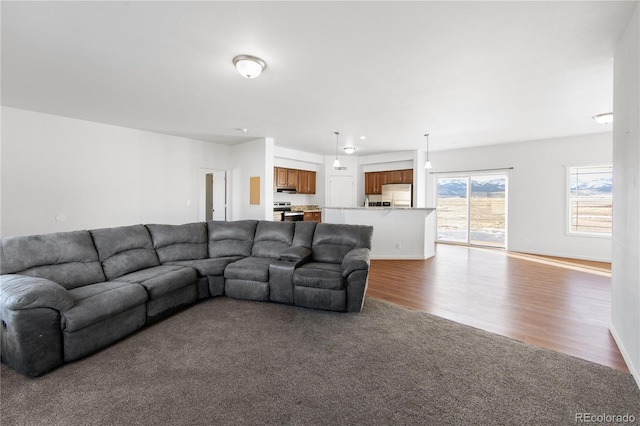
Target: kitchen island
(398, 232)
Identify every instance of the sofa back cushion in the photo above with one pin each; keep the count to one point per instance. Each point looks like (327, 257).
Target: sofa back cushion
(124, 249)
(272, 237)
(331, 241)
(179, 242)
(67, 258)
(304, 234)
(231, 238)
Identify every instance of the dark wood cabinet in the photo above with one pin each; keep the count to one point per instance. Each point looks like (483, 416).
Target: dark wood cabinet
(280, 177)
(304, 181)
(292, 178)
(394, 176)
(313, 216)
(407, 176)
(373, 181)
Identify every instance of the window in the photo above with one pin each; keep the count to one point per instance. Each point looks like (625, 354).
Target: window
(590, 200)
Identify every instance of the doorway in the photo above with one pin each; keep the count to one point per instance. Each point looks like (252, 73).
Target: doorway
(215, 195)
(472, 210)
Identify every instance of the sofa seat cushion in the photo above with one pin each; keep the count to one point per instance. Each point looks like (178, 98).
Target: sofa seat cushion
(250, 269)
(207, 267)
(101, 301)
(326, 276)
(162, 279)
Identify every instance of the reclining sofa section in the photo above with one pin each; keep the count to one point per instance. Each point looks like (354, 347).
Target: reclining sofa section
(66, 295)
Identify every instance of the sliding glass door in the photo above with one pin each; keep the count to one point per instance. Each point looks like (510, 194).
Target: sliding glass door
(472, 210)
(453, 210)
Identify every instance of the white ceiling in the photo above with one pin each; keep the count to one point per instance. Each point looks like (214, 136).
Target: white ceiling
(468, 73)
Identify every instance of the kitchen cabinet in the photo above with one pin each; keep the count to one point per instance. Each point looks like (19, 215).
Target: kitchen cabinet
(285, 178)
(394, 176)
(407, 176)
(292, 178)
(313, 216)
(306, 182)
(280, 177)
(373, 181)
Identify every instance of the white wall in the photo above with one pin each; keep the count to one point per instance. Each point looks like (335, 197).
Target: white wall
(625, 289)
(250, 159)
(537, 221)
(91, 175)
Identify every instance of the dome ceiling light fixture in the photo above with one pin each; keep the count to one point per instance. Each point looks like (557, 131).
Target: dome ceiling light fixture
(427, 164)
(349, 149)
(249, 66)
(606, 118)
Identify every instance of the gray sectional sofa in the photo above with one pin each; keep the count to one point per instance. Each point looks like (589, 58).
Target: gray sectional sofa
(66, 295)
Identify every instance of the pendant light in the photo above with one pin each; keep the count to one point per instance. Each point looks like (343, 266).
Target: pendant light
(336, 162)
(427, 164)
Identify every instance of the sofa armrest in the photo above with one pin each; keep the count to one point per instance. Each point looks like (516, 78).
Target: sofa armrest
(356, 260)
(18, 292)
(31, 335)
(295, 254)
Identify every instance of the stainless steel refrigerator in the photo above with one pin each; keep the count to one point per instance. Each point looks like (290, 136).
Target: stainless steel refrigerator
(399, 195)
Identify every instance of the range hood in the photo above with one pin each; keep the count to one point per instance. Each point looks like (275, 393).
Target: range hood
(287, 190)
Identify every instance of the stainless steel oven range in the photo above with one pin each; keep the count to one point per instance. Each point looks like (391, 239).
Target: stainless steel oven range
(282, 212)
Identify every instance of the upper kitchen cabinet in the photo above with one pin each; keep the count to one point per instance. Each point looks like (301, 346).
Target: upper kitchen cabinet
(280, 177)
(303, 181)
(285, 178)
(306, 182)
(373, 181)
(394, 176)
(406, 176)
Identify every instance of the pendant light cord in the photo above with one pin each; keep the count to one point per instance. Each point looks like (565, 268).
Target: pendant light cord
(427, 135)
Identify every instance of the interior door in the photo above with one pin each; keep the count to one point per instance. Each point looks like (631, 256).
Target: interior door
(208, 188)
(216, 195)
(340, 191)
(219, 195)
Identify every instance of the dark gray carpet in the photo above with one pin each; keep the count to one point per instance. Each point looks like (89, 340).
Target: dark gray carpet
(226, 361)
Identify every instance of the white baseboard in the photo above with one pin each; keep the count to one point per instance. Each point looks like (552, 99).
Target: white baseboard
(397, 257)
(633, 369)
(566, 255)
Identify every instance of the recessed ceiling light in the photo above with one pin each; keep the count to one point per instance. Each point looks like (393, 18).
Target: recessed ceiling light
(605, 118)
(363, 137)
(249, 66)
(349, 149)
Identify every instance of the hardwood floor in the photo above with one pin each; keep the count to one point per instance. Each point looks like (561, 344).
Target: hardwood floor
(558, 304)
